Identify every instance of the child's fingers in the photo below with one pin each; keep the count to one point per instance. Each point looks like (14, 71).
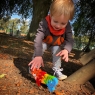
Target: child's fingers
(58, 54)
(30, 63)
(65, 58)
(36, 66)
(33, 66)
(61, 54)
(42, 64)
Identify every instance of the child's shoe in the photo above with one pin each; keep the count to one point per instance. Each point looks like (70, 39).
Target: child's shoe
(58, 74)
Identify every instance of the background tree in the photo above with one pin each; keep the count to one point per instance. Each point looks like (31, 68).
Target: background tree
(40, 10)
(36, 9)
(22, 7)
(4, 22)
(24, 27)
(13, 26)
(84, 20)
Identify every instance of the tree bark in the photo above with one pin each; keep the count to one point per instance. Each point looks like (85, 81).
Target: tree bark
(83, 74)
(40, 10)
(87, 57)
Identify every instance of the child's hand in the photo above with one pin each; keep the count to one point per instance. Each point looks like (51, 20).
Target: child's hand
(37, 62)
(63, 54)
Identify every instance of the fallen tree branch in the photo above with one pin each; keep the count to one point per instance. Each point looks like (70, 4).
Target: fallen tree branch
(83, 74)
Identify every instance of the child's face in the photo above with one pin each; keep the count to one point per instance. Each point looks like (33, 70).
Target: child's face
(59, 22)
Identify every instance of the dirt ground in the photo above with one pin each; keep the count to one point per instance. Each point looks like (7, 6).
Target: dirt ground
(16, 53)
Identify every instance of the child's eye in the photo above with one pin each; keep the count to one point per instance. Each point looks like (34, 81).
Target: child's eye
(63, 23)
(55, 21)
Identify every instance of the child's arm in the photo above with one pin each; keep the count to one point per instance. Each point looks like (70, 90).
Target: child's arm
(68, 40)
(68, 43)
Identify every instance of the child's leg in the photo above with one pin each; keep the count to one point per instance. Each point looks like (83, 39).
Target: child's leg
(56, 59)
(57, 63)
(44, 46)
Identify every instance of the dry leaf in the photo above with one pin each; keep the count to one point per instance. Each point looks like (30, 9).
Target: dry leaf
(2, 75)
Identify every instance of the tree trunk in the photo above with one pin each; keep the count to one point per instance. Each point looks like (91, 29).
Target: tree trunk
(83, 74)
(87, 57)
(40, 10)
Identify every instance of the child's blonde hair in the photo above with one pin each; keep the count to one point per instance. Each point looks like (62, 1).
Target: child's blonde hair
(62, 7)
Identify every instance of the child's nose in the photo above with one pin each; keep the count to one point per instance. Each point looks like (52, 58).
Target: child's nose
(58, 25)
